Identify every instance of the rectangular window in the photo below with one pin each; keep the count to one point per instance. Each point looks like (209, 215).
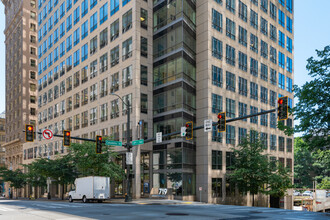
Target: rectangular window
(216, 136)
(288, 145)
(281, 59)
(273, 33)
(272, 98)
(125, 2)
(264, 95)
(216, 76)
(69, 43)
(144, 47)
(242, 86)
(264, 72)
(264, 5)
(242, 61)
(241, 135)
(104, 62)
(144, 18)
(216, 20)
(242, 36)
(273, 120)
(84, 30)
(273, 55)
(93, 3)
(114, 30)
(127, 76)
(281, 143)
(289, 64)
(103, 13)
(144, 74)
(253, 110)
(230, 81)
(84, 8)
(272, 142)
(84, 52)
(254, 67)
(230, 55)
(281, 81)
(144, 103)
(216, 103)
(216, 187)
(264, 26)
(114, 6)
(242, 109)
(104, 38)
(76, 37)
(216, 160)
(242, 11)
(62, 9)
(273, 11)
(230, 5)
(68, 5)
(254, 19)
(76, 15)
(93, 22)
(230, 29)
(127, 21)
(114, 53)
(281, 38)
(264, 49)
(254, 91)
(288, 84)
(289, 44)
(230, 108)
(281, 17)
(289, 24)
(127, 49)
(216, 48)
(230, 135)
(254, 43)
(289, 5)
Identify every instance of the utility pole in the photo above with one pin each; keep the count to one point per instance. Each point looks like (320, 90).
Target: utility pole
(128, 197)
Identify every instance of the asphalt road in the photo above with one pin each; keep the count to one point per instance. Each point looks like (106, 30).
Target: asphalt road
(63, 210)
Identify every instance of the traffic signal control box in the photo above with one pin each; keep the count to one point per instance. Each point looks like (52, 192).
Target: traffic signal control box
(283, 108)
(66, 138)
(98, 144)
(29, 133)
(221, 122)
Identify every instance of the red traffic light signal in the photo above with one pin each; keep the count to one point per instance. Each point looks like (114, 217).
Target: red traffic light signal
(283, 107)
(221, 122)
(98, 145)
(189, 130)
(67, 138)
(29, 133)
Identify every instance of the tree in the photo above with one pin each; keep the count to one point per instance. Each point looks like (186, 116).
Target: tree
(88, 163)
(303, 169)
(16, 178)
(279, 181)
(325, 184)
(313, 108)
(251, 168)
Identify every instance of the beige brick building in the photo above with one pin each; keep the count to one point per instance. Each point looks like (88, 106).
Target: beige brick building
(174, 61)
(21, 68)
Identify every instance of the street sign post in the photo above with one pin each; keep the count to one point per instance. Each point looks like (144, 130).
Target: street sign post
(129, 158)
(137, 142)
(113, 143)
(159, 137)
(207, 125)
(183, 131)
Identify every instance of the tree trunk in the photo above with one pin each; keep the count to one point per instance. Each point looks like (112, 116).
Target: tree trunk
(252, 199)
(62, 195)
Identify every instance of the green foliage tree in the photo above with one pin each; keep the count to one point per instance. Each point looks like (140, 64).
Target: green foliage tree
(313, 108)
(279, 181)
(325, 184)
(16, 178)
(251, 169)
(88, 163)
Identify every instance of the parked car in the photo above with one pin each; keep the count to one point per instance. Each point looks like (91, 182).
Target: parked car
(296, 193)
(90, 188)
(307, 193)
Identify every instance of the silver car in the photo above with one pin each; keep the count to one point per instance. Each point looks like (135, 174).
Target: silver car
(307, 193)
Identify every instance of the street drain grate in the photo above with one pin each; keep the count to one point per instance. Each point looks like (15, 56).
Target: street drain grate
(180, 214)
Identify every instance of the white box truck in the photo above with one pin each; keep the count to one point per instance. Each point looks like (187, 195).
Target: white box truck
(91, 188)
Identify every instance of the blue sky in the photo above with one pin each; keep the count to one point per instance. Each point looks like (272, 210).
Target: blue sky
(311, 31)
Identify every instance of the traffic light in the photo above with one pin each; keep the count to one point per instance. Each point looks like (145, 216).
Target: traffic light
(221, 122)
(66, 138)
(282, 109)
(98, 144)
(189, 130)
(29, 133)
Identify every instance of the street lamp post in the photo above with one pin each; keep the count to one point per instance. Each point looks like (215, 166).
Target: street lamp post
(128, 197)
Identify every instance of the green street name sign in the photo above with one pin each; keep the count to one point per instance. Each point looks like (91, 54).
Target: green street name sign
(114, 143)
(138, 142)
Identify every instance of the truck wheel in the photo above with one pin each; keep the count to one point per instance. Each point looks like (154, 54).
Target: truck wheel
(70, 199)
(84, 199)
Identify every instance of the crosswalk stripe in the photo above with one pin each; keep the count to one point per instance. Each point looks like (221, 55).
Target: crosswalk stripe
(6, 209)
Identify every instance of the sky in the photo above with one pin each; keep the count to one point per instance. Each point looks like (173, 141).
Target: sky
(311, 31)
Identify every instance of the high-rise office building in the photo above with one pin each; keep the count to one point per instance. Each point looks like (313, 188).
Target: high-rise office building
(21, 68)
(174, 62)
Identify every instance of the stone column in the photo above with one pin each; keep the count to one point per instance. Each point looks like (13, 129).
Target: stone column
(136, 182)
